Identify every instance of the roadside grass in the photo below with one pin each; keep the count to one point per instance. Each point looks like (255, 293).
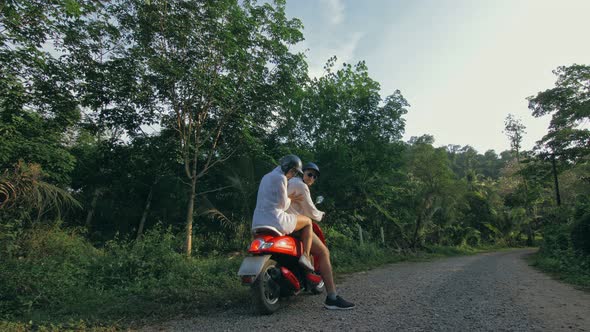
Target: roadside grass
(569, 268)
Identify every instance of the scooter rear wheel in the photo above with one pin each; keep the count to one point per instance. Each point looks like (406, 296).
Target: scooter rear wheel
(266, 291)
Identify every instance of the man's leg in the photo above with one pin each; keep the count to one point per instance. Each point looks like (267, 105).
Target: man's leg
(319, 249)
(333, 301)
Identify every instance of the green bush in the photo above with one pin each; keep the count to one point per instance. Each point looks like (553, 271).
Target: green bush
(564, 251)
(568, 266)
(580, 235)
(50, 271)
(58, 273)
(349, 255)
(556, 239)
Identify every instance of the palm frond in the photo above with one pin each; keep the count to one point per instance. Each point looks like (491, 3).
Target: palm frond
(7, 192)
(24, 188)
(215, 214)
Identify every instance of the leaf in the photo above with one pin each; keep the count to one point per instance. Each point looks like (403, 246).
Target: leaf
(72, 8)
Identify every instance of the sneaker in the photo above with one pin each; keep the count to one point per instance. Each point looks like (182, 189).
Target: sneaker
(338, 304)
(304, 261)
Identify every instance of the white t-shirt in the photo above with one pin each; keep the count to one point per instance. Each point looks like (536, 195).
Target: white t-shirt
(305, 207)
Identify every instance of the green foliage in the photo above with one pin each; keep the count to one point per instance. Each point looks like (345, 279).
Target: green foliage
(58, 273)
(568, 103)
(580, 235)
(563, 252)
(26, 137)
(564, 151)
(49, 271)
(567, 267)
(24, 196)
(556, 240)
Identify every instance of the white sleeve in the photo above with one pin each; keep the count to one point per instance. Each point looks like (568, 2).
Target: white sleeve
(309, 208)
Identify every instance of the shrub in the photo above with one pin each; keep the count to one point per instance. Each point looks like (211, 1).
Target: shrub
(50, 271)
(58, 273)
(556, 239)
(580, 235)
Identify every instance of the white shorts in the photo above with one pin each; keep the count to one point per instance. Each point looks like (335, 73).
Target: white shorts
(287, 222)
(284, 222)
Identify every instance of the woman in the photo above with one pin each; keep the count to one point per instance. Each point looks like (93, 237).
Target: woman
(299, 186)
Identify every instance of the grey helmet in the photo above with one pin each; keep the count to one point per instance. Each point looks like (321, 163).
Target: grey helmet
(312, 166)
(291, 161)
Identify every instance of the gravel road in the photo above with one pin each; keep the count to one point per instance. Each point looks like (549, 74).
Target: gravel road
(486, 292)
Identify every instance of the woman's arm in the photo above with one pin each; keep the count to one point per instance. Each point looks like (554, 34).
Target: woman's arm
(308, 206)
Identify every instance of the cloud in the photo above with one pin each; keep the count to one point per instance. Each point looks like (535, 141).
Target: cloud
(344, 51)
(335, 11)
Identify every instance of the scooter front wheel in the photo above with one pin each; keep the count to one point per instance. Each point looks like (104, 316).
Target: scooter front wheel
(265, 290)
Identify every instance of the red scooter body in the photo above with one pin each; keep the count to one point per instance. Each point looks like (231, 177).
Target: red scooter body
(273, 269)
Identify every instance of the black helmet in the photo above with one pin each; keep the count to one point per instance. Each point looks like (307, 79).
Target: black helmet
(312, 166)
(290, 161)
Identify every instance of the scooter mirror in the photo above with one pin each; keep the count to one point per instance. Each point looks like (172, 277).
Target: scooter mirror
(319, 199)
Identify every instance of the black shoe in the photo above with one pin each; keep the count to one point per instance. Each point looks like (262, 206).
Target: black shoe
(338, 304)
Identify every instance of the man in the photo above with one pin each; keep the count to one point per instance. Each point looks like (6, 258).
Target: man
(273, 201)
(299, 186)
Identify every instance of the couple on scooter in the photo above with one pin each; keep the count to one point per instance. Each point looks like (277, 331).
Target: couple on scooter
(284, 202)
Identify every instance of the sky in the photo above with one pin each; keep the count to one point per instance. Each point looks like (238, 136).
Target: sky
(463, 65)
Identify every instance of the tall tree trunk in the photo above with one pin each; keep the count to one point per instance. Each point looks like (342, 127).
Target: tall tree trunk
(554, 168)
(189, 217)
(191, 207)
(90, 214)
(148, 203)
(529, 230)
(529, 235)
(527, 208)
(416, 231)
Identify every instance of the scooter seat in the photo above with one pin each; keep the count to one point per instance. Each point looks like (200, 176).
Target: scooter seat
(266, 230)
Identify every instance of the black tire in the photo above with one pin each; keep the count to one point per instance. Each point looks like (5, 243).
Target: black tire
(265, 291)
(319, 288)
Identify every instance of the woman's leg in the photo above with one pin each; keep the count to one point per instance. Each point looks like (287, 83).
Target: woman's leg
(304, 224)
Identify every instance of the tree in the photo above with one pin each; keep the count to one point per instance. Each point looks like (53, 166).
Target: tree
(431, 180)
(515, 130)
(345, 107)
(568, 103)
(38, 106)
(569, 106)
(208, 62)
(342, 122)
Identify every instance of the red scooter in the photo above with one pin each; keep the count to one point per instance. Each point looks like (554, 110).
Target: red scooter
(273, 271)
